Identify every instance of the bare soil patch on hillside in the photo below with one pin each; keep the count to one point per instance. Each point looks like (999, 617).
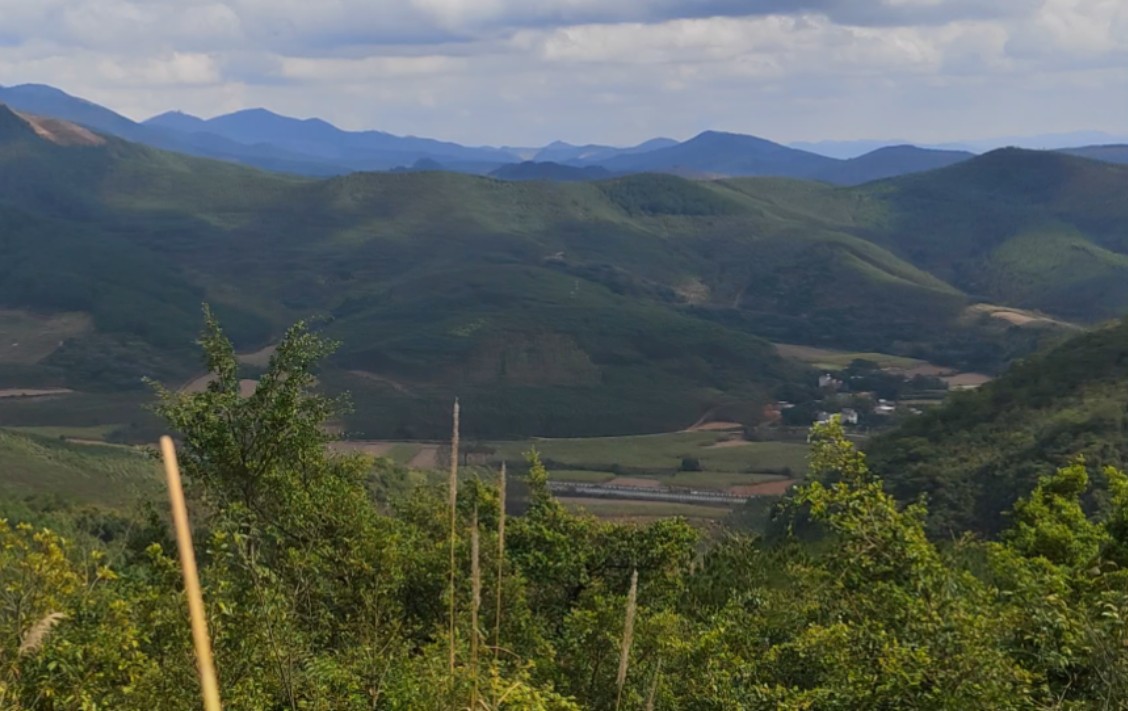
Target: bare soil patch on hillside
(63, 133)
(964, 381)
(259, 358)
(1017, 317)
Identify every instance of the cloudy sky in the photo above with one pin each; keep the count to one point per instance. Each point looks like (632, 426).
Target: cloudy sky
(523, 72)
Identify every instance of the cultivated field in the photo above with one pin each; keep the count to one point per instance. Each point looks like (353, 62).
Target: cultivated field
(831, 360)
(661, 455)
(828, 359)
(727, 463)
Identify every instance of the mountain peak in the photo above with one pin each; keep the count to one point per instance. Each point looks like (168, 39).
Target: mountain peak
(256, 112)
(727, 137)
(44, 92)
(177, 120)
(39, 90)
(174, 114)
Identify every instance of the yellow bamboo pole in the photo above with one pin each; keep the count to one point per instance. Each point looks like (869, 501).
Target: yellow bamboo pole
(205, 665)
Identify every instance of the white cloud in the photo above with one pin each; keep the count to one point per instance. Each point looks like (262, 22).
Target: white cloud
(527, 71)
(368, 69)
(1074, 29)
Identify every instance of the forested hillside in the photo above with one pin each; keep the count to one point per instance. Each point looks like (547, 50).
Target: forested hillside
(637, 304)
(329, 584)
(974, 456)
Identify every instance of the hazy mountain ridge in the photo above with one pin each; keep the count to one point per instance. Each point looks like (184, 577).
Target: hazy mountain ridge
(314, 147)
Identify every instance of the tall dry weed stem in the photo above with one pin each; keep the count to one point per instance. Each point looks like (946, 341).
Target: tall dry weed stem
(475, 603)
(500, 557)
(453, 490)
(37, 635)
(628, 637)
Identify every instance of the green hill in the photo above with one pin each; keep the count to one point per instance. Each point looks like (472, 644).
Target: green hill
(81, 473)
(978, 453)
(629, 305)
(1031, 229)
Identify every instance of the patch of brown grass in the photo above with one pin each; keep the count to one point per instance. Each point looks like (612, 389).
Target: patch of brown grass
(768, 488)
(260, 358)
(62, 133)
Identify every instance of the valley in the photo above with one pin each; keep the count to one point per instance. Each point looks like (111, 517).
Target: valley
(898, 405)
(578, 318)
(626, 306)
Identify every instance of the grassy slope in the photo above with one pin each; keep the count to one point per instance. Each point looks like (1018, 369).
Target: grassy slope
(103, 474)
(977, 453)
(587, 308)
(1029, 229)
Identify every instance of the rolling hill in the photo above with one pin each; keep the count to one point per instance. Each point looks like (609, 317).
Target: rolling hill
(889, 162)
(725, 154)
(1043, 231)
(1115, 153)
(982, 450)
(533, 170)
(714, 153)
(561, 152)
(627, 305)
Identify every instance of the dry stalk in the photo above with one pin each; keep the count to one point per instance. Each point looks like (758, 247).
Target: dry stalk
(500, 557)
(654, 686)
(35, 637)
(453, 486)
(475, 603)
(204, 662)
(628, 637)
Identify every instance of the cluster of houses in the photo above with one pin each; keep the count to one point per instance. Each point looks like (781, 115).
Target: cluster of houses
(852, 408)
(849, 415)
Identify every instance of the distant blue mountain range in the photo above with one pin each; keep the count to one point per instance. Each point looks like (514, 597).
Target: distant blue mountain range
(266, 140)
